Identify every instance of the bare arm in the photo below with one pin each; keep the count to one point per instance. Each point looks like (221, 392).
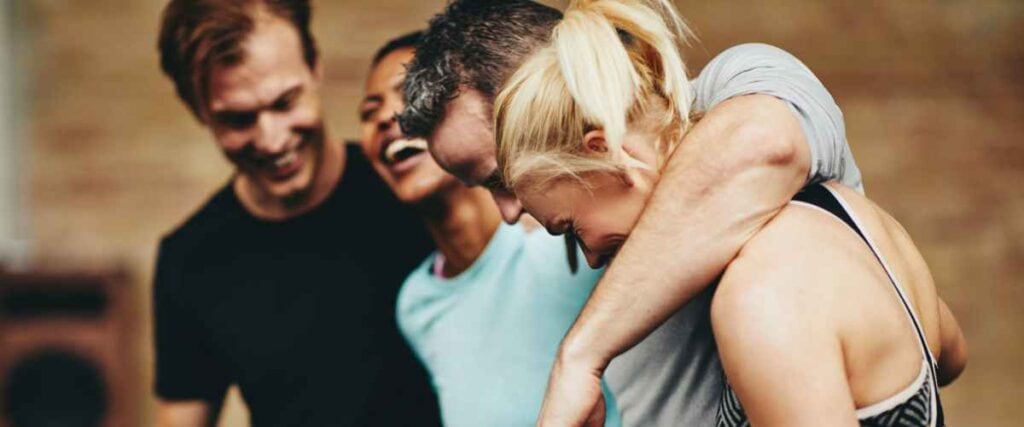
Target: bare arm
(770, 125)
(189, 413)
(953, 355)
(732, 173)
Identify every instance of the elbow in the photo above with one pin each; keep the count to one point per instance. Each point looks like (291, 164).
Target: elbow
(952, 362)
(768, 135)
(770, 144)
(953, 350)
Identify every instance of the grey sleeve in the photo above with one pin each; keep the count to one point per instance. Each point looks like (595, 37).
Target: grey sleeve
(757, 68)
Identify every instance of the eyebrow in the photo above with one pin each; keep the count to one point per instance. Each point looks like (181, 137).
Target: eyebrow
(291, 92)
(371, 98)
(376, 97)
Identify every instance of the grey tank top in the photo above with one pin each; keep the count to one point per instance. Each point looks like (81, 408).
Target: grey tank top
(673, 377)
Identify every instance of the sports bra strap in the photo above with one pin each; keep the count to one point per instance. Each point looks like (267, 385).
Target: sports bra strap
(819, 195)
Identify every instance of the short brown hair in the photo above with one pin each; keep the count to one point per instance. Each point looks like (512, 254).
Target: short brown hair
(197, 35)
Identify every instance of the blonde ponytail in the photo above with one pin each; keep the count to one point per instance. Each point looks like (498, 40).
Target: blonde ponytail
(609, 64)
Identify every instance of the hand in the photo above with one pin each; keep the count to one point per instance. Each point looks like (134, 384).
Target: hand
(573, 397)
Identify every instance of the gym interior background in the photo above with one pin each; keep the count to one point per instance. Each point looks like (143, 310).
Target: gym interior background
(98, 158)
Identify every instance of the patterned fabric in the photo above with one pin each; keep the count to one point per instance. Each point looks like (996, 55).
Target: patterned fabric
(912, 412)
(916, 410)
(730, 412)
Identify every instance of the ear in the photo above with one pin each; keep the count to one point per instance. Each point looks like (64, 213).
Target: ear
(595, 143)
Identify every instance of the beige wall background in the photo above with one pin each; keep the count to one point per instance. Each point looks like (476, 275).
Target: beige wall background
(932, 93)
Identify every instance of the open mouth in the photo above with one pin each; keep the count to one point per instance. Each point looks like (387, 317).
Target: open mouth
(399, 150)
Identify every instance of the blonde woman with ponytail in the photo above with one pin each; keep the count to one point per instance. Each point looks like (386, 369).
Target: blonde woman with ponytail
(827, 316)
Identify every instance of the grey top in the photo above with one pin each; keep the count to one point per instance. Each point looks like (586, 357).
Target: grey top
(757, 68)
(673, 377)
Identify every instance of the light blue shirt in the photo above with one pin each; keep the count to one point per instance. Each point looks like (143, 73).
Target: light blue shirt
(489, 336)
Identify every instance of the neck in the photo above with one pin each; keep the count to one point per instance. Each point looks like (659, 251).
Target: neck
(326, 176)
(462, 222)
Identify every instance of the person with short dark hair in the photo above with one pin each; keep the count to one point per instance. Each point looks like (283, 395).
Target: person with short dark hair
(486, 310)
(284, 282)
(769, 127)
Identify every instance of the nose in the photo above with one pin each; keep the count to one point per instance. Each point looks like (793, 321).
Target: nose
(509, 206)
(386, 121)
(593, 260)
(272, 134)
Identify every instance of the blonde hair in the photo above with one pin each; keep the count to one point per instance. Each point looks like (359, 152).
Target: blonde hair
(609, 64)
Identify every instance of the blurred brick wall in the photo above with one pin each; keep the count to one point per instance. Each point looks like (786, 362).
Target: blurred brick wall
(931, 91)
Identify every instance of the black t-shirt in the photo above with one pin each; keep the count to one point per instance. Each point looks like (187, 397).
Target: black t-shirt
(299, 313)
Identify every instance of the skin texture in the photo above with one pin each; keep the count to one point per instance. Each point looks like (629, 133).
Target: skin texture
(460, 219)
(183, 414)
(463, 144)
(808, 326)
(734, 170)
(730, 175)
(263, 110)
(265, 114)
(601, 213)
(420, 177)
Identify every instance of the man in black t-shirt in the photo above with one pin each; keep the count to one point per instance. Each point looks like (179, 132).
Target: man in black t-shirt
(284, 282)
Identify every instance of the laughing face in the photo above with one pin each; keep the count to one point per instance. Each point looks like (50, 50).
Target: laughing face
(266, 116)
(404, 164)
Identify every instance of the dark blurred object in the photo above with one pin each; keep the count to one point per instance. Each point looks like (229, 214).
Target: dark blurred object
(66, 350)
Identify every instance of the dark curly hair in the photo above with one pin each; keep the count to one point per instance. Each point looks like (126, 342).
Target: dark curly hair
(474, 44)
(401, 42)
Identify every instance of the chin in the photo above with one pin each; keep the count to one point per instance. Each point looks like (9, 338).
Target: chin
(295, 188)
(415, 196)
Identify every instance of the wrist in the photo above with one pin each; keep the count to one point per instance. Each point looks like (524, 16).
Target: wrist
(576, 354)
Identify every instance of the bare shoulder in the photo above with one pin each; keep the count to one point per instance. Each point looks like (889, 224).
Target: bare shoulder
(804, 260)
(809, 261)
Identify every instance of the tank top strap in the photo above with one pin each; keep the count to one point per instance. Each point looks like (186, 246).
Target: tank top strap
(820, 196)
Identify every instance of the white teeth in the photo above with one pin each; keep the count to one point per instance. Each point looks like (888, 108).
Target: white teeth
(398, 145)
(286, 160)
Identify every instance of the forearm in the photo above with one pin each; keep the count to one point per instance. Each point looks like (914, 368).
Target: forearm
(730, 175)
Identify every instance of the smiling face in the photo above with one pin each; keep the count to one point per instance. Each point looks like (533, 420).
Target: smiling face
(404, 164)
(463, 144)
(265, 113)
(600, 211)
(601, 207)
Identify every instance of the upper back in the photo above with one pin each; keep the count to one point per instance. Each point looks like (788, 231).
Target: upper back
(898, 251)
(822, 268)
